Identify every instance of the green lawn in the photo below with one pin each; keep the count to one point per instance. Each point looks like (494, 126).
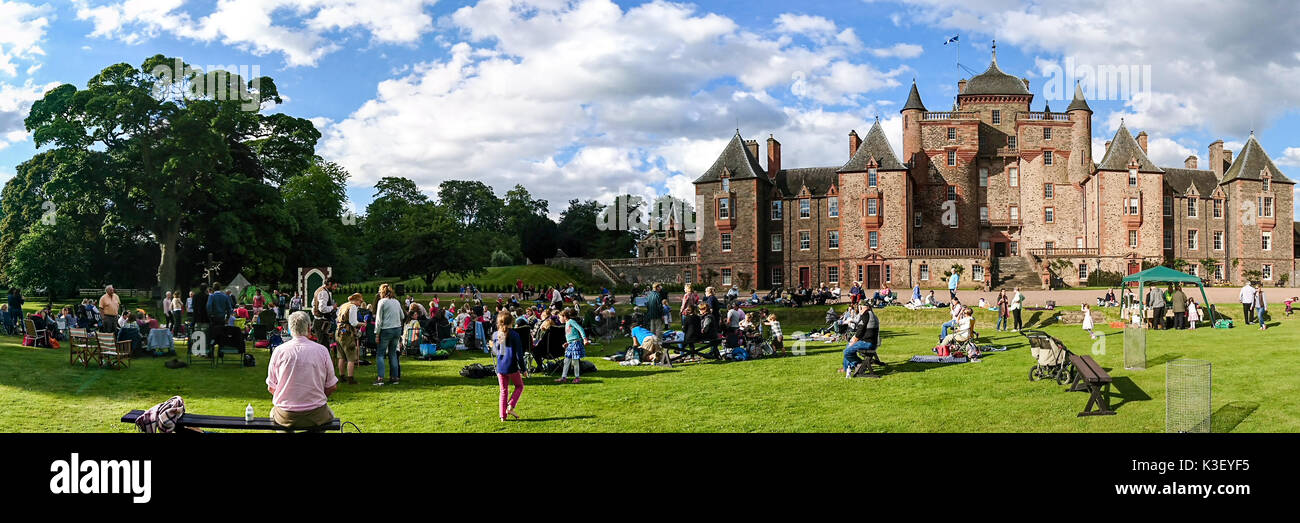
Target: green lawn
(1255, 389)
(493, 277)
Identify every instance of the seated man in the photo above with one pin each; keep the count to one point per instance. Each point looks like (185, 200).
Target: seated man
(866, 338)
(300, 378)
(964, 331)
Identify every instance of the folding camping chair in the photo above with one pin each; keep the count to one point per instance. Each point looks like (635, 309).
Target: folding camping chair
(547, 347)
(79, 347)
(227, 340)
(35, 336)
(112, 353)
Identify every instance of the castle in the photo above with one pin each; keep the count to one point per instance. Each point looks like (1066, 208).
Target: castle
(1011, 195)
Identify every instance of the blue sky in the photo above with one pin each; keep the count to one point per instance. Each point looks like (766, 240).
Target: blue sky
(589, 99)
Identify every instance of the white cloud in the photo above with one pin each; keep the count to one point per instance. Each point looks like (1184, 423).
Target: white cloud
(1290, 157)
(15, 102)
(899, 50)
(586, 99)
(1213, 81)
(257, 25)
(22, 27)
(804, 24)
(1167, 153)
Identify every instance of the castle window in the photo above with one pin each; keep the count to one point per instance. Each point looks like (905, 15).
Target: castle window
(1132, 238)
(776, 210)
(984, 176)
(1193, 239)
(1169, 239)
(889, 272)
(1131, 206)
(1047, 157)
(1132, 177)
(1218, 240)
(873, 239)
(1083, 272)
(832, 239)
(1169, 205)
(1013, 177)
(1015, 214)
(977, 272)
(997, 117)
(1191, 207)
(1047, 134)
(726, 184)
(1049, 215)
(1266, 180)
(1266, 240)
(1011, 142)
(1266, 206)
(916, 219)
(925, 271)
(871, 178)
(687, 276)
(726, 242)
(777, 276)
(952, 133)
(952, 193)
(833, 207)
(724, 208)
(984, 214)
(776, 243)
(1218, 208)
(833, 275)
(805, 208)
(1048, 191)
(872, 207)
(726, 275)
(1218, 271)
(805, 240)
(1266, 271)
(952, 157)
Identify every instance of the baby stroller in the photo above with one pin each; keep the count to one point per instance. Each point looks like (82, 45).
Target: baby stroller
(1051, 358)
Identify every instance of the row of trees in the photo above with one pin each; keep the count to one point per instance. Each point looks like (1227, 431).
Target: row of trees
(145, 174)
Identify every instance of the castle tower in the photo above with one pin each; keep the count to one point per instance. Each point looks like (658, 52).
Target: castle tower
(1081, 136)
(912, 112)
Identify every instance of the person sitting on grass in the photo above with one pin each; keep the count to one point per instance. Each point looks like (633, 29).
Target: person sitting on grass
(866, 338)
(300, 378)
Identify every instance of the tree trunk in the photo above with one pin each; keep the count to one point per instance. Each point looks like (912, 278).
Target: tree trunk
(170, 256)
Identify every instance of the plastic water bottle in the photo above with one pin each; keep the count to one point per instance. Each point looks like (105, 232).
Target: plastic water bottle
(248, 413)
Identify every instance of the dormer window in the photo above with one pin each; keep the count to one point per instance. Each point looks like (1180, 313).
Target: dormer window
(726, 184)
(1266, 179)
(871, 178)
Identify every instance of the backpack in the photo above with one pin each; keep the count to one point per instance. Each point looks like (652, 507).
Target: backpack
(739, 354)
(249, 361)
(477, 370)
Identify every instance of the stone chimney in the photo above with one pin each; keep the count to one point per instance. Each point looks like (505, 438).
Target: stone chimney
(961, 86)
(854, 143)
(1227, 159)
(773, 156)
(1190, 162)
(1107, 146)
(1142, 141)
(752, 145)
(1216, 158)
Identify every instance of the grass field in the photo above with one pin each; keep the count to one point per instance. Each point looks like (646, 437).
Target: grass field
(493, 277)
(1254, 390)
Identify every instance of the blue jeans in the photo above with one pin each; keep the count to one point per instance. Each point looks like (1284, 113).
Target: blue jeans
(1002, 322)
(947, 325)
(851, 353)
(388, 350)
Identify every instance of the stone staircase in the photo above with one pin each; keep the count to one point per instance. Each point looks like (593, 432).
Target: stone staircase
(1015, 271)
(603, 270)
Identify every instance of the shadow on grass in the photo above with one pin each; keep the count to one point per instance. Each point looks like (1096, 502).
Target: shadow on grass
(531, 420)
(1230, 415)
(1126, 390)
(1163, 359)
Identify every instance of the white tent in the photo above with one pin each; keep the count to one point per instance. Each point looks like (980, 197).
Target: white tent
(238, 285)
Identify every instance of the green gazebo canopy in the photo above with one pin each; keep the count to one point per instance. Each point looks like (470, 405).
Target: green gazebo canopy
(1162, 274)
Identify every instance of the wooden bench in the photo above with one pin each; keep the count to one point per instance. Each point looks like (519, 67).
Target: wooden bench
(233, 423)
(1092, 378)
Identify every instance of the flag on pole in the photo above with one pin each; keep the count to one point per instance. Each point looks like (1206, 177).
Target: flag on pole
(951, 40)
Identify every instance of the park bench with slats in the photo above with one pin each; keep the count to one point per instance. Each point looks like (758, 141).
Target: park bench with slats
(1092, 378)
(233, 423)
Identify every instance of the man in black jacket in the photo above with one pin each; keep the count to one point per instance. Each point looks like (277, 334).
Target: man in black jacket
(866, 338)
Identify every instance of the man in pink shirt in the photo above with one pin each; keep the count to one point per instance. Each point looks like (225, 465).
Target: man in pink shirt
(301, 378)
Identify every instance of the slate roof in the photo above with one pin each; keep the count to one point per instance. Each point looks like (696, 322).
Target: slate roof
(735, 158)
(994, 81)
(913, 100)
(1123, 148)
(1251, 161)
(875, 145)
(1079, 103)
(818, 179)
(1179, 179)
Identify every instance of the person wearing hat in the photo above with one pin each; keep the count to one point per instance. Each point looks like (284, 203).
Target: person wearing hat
(347, 348)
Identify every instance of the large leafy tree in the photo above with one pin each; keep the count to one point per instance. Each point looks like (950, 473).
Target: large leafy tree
(178, 157)
(582, 237)
(471, 202)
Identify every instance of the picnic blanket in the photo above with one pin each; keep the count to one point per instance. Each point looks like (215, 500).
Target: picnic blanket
(938, 359)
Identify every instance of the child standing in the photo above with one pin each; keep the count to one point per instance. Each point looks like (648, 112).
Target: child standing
(1003, 313)
(1193, 314)
(1087, 320)
(777, 338)
(508, 347)
(576, 349)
